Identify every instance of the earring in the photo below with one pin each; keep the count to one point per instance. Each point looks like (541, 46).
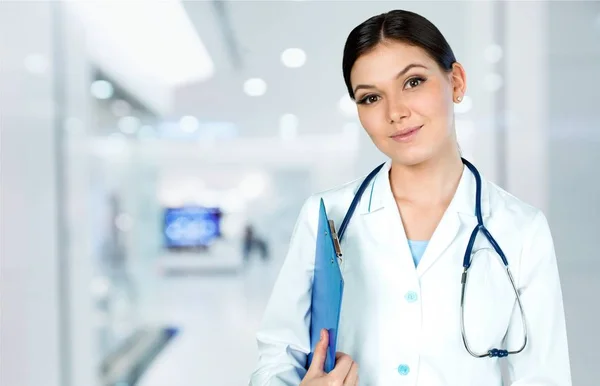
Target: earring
(459, 98)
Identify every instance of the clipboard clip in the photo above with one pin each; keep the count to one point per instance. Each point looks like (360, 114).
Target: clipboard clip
(336, 241)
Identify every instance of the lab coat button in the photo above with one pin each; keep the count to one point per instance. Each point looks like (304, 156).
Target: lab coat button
(411, 296)
(403, 369)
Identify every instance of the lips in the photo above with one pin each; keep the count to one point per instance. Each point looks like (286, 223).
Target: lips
(406, 135)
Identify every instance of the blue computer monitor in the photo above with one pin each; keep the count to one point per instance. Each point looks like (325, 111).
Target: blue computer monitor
(191, 227)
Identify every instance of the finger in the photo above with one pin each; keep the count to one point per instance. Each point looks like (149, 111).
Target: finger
(340, 354)
(352, 377)
(342, 366)
(318, 361)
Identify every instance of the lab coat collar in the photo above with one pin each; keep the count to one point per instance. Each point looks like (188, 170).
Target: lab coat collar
(378, 194)
(460, 214)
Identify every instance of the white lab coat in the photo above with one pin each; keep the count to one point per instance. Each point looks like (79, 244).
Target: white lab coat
(401, 324)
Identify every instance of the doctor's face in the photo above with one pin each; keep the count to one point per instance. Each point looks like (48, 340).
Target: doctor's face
(406, 101)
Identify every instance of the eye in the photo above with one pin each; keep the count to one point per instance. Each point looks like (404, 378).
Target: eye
(369, 99)
(414, 82)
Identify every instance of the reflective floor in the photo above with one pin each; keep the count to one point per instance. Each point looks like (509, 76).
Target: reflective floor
(218, 317)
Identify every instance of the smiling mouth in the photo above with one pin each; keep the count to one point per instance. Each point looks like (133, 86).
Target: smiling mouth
(406, 135)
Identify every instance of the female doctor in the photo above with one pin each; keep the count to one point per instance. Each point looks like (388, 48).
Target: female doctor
(403, 318)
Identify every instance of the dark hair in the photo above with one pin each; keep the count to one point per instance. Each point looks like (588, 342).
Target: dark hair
(398, 25)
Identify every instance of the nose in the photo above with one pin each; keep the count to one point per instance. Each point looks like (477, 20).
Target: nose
(397, 111)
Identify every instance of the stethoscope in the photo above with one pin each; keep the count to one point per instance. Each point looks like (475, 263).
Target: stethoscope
(480, 227)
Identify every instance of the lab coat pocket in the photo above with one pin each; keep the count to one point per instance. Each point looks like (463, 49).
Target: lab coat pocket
(489, 300)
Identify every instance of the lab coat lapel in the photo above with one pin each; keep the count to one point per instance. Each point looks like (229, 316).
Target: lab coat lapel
(458, 221)
(443, 236)
(383, 222)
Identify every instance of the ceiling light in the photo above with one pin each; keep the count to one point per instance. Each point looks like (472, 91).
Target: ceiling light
(36, 64)
(348, 106)
(493, 53)
(101, 89)
(189, 124)
(293, 57)
(136, 31)
(464, 106)
(255, 87)
(288, 126)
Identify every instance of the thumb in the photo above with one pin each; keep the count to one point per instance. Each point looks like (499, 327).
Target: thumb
(318, 362)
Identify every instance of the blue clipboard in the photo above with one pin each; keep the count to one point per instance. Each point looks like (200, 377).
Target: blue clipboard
(328, 283)
(327, 289)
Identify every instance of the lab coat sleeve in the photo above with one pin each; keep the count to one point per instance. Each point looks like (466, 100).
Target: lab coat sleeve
(545, 360)
(283, 338)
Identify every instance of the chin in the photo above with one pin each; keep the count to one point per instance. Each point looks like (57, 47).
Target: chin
(413, 157)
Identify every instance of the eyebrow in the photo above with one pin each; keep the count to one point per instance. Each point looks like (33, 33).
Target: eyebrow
(400, 74)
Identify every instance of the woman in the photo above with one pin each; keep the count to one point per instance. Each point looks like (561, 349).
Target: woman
(403, 251)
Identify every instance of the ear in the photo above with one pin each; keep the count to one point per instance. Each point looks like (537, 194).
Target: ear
(458, 78)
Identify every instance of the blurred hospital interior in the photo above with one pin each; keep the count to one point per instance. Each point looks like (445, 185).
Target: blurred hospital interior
(155, 156)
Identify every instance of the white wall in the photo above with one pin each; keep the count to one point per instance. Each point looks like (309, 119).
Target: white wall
(75, 123)
(476, 128)
(527, 82)
(574, 173)
(31, 319)
(46, 312)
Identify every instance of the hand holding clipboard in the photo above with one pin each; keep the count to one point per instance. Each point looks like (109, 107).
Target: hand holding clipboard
(345, 371)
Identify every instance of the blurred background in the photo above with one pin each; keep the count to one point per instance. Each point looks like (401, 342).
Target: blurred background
(155, 155)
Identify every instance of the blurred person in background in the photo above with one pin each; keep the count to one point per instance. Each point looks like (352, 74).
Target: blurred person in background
(253, 242)
(426, 216)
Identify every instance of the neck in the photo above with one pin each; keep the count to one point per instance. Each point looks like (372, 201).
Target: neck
(432, 182)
